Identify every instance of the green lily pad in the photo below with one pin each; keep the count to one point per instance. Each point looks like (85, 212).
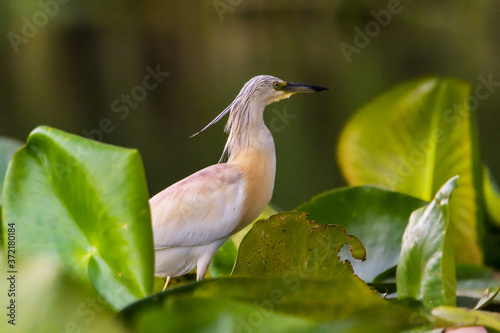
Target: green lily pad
(426, 269)
(288, 244)
(342, 304)
(216, 315)
(376, 216)
(414, 138)
(85, 203)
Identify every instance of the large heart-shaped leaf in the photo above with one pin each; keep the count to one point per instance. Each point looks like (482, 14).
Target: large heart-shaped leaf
(288, 244)
(426, 268)
(414, 138)
(342, 304)
(8, 147)
(376, 216)
(87, 204)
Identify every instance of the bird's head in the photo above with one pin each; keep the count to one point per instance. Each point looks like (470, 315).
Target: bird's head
(269, 89)
(260, 91)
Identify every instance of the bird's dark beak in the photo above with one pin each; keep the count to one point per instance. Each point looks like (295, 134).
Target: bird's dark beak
(301, 88)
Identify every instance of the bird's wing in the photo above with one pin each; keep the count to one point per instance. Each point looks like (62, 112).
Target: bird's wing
(199, 209)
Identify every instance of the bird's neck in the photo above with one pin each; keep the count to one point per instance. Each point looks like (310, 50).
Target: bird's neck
(251, 149)
(258, 147)
(249, 136)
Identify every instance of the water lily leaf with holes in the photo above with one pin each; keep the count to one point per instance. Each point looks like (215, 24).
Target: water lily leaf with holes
(414, 138)
(85, 203)
(426, 268)
(376, 216)
(289, 244)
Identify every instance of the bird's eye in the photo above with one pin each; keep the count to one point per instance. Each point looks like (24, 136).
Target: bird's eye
(276, 85)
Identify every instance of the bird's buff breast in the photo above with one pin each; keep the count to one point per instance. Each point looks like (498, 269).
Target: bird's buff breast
(259, 178)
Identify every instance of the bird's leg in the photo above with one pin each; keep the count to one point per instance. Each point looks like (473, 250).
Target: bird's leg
(166, 283)
(202, 267)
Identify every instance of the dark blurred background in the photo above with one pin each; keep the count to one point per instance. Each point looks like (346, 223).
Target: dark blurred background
(80, 66)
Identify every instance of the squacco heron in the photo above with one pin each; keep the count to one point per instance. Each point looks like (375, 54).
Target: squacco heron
(195, 216)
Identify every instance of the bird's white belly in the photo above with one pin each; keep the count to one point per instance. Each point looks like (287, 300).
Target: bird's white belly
(177, 261)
